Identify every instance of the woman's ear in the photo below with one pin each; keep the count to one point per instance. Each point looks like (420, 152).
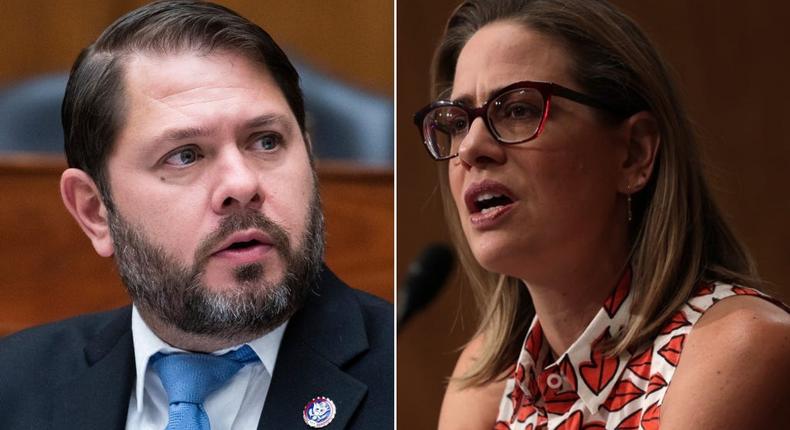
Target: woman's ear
(644, 139)
(83, 200)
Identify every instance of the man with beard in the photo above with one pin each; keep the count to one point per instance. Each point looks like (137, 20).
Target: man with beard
(189, 163)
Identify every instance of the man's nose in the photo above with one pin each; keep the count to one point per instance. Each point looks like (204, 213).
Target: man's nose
(238, 183)
(479, 147)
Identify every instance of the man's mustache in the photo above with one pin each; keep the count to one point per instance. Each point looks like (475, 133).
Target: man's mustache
(240, 221)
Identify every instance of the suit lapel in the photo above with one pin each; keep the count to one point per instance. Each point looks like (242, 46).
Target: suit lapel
(328, 332)
(325, 335)
(97, 397)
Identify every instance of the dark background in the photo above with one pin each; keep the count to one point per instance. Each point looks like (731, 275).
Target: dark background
(731, 62)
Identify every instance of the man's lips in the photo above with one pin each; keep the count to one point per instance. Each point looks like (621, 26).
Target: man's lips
(246, 246)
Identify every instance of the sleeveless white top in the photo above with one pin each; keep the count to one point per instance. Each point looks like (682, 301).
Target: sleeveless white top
(584, 389)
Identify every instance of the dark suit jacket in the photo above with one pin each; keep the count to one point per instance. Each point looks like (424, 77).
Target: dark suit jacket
(79, 373)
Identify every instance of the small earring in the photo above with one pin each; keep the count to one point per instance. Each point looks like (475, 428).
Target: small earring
(628, 193)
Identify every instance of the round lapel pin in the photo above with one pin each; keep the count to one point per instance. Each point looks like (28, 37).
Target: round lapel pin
(319, 412)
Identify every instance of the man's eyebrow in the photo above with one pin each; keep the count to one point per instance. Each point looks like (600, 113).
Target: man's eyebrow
(266, 120)
(176, 134)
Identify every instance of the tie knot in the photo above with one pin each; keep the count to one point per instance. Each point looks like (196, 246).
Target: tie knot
(190, 378)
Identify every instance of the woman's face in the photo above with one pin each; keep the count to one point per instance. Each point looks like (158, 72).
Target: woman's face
(559, 199)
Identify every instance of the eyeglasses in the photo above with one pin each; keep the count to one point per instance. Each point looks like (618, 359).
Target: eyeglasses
(514, 114)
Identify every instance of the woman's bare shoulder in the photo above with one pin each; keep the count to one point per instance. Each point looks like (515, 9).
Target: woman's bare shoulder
(733, 370)
(470, 408)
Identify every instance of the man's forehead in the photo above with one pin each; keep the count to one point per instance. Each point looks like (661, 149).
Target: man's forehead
(178, 96)
(163, 75)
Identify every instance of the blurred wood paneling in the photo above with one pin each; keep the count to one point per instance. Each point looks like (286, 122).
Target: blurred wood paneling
(45, 36)
(49, 270)
(352, 40)
(359, 205)
(427, 345)
(731, 63)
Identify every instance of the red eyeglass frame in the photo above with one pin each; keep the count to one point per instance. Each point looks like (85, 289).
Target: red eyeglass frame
(546, 89)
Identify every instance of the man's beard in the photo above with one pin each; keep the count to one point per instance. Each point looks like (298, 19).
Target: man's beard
(174, 293)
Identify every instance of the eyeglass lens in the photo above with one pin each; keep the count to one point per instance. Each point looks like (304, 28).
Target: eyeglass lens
(512, 117)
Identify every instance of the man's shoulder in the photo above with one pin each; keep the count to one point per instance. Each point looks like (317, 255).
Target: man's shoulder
(340, 343)
(47, 368)
(372, 301)
(57, 341)
(378, 314)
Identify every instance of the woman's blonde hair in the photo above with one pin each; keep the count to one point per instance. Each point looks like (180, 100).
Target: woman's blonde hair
(678, 235)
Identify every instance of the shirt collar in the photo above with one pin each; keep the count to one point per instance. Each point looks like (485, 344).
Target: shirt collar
(583, 371)
(147, 343)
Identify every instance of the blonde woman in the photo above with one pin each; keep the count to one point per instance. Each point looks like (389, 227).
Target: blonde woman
(572, 185)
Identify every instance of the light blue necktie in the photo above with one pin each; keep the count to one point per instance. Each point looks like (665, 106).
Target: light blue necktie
(190, 378)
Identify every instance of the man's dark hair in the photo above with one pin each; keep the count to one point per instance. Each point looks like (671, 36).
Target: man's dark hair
(93, 107)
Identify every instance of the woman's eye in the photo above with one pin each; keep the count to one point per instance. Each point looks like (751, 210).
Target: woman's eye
(459, 125)
(519, 111)
(183, 157)
(452, 125)
(268, 142)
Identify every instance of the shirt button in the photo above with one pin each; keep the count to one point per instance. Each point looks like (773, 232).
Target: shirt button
(554, 381)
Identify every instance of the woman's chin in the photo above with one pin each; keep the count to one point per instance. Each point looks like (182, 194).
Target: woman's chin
(497, 261)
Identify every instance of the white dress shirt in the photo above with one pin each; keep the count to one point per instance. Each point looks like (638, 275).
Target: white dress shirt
(235, 406)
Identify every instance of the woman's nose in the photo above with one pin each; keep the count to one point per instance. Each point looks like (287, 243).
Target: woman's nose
(479, 147)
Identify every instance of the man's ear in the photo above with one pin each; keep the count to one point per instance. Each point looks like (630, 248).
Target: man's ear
(308, 142)
(644, 139)
(83, 200)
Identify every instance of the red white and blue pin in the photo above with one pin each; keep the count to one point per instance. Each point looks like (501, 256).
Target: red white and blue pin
(319, 412)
